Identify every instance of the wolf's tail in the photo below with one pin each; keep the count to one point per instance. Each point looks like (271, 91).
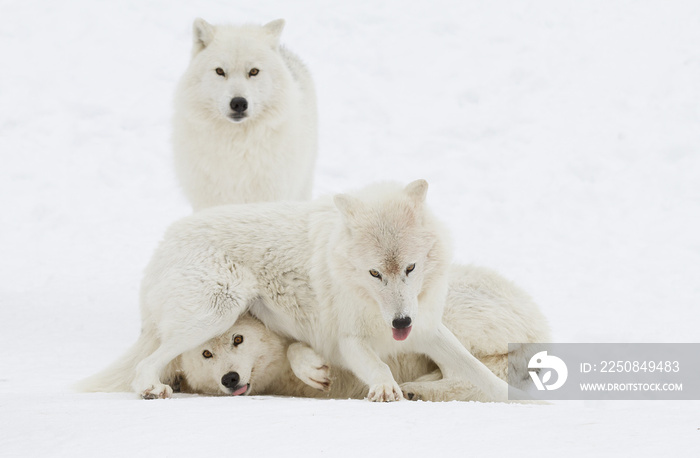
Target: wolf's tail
(118, 375)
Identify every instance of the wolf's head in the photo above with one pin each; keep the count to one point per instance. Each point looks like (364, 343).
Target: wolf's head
(234, 363)
(390, 247)
(237, 73)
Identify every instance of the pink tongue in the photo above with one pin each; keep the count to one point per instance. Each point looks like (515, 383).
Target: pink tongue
(240, 391)
(401, 334)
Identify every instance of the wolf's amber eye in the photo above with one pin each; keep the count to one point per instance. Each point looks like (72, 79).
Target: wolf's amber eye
(207, 354)
(375, 274)
(410, 268)
(220, 71)
(237, 340)
(253, 72)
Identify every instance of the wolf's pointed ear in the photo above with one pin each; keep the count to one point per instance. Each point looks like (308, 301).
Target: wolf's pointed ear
(348, 206)
(275, 28)
(202, 35)
(417, 190)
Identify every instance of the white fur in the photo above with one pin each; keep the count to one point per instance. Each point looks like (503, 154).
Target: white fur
(267, 155)
(484, 310)
(303, 270)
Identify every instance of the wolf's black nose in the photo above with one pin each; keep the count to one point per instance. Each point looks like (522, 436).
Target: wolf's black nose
(239, 104)
(401, 323)
(230, 380)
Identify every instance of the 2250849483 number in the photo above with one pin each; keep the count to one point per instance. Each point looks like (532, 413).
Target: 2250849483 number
(637, 366)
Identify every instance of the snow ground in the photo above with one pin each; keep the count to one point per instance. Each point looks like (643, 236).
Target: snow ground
(561, 140)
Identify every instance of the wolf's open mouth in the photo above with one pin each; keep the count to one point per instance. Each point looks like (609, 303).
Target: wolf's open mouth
(242, 390)
(401, 334)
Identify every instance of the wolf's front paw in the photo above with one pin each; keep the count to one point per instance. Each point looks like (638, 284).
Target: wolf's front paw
(319, 378)
(158, 391)
(412, 391)
(316, 377)
(385, 392)
(309, 367)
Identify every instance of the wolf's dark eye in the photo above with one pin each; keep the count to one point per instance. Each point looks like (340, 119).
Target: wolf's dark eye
(253, 72)
(220, 71)
(410, 268)
(207, 354)
(375, 274)
(237, 340)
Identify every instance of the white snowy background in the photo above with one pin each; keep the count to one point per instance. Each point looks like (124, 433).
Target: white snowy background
(561, 140)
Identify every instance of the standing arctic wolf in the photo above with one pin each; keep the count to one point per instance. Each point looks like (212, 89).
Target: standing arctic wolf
(358, 281)
(244, 128)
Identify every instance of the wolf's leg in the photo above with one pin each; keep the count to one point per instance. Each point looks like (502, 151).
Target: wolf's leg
(441, 390)
(191, 310)
(456, 362)
(432, 387)
(308, 366)
(369, 368)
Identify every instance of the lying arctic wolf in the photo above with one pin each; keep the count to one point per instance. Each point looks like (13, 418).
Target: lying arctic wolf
(484, 310)
(358, 281)
(244, 128)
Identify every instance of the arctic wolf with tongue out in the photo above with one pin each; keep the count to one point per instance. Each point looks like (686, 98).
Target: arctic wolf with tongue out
(359, 279)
